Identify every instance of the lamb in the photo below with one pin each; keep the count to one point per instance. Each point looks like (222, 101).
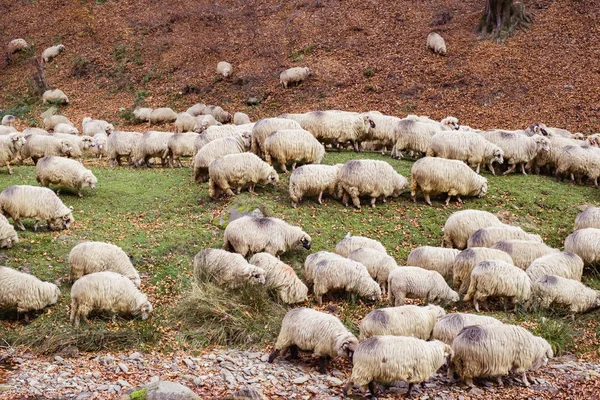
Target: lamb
(8, 235)
(151, 144)
(396, 358)
(218, 113)
(495, 350)
(589, 218)
(553, 289)
(339, 127)
(350, 243)
(488, 236)
(294, 75)
(436, 43)
(240, 118)
(53, 120)
(250, 235)
(297, 146)
(310, 330)
(16, 45)
(460, 225)
(89, 257)
(432, 175)
(215, 149)
(8, 120)
(186, 123)
(196, 109)
(38, 146)
(467, 259)
(55, 96)
(281, 277)
(64, 173)
(162, 115)
(25, 292)
(518, 149)
(224, 69)
(51, 52)
(372, 178)
(218, 132)
(264, 127)
(448, 327)
(313, 180)
(78, 144)
(121, 144)
(99, 143)
(419, 283)
(523, 252)
(410, 320)
(378, 264)
(580, 161)
(413, 136)
(312, 261)
(66, 128)
(142, 113)
(35, 202)
(585, 243)
(237, 170)
(226, 269)
(498, 278)
(434, 259)
(109, 291)
(181, 145)
(10, 149)
(94, 126)
(565, 264)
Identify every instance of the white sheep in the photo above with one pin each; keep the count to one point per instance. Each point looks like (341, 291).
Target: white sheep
(566, 264)
(226, 269)
(264, 127)
(7, 130)
(578, 161)
(151, 144)
(585, 243)
(413, 136)
(379, 264)
(64, 172)
(281, 277)
(53, 120)
(434, 259)
(555, 290)
(542, 129)
(108, 291)
(25, 292)
(436, 43)
(181, 145)
(217, 132)
(8, 235)
(16, 45)
(294, 75)
(240, 118)
(550, 159)
(34, 131)
(66, 128)
(162, 115)
(51, 52)
(55, 96)
(89, 257)
(433, 175)
(490, 235)
(518, 148)
(467, 259)
(498, 278)
(523, 252)
(251, 235)
(185, 122)
(8, 120)
(205, 121)
(460, 225)
(385, 133)
(409, 320)
(99, 143)
(313, 180)
(310, 330)
(448, 327)
(10, 149)
(215, 149)
(419, 283)
(224, 69)
(339, 127)
(38, 146)
(78, 144)
(350, 243)
(589, 218)
(93, 126)
(238, 170)
(218, 113)
(142, 113)
(121, 144)
(196, 109)
(296, 146)
(317, 259)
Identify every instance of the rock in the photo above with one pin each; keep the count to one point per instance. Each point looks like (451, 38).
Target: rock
(108, 359)
(264, 358)
(313, 389)
(247, 393)
(228, 377)
(300, 380)
(123, 383)
(114, 388)
(190, 364)
(167, 390)
(334, 381)
(85, 396)
(97, 374)
(123, 367)
(5, 388)
(476, 392)
(212, 357)
(253, 101)
(135, 356)
(154, 379)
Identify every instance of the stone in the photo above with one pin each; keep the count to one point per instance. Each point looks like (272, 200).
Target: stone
(313, 389)
(59, 359)
(167, 390)
(334, 381)
(300, 380)
(123, 367)
(5, 388)
(97, 374)
(108, 359)
(135, 356)
(85, 396)
(476, 392)
(228, 377)
(247, 393)
(253, 101)
(123, 383)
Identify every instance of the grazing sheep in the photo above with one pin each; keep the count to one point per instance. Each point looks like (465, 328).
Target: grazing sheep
(434, 259)
(99, 142)
(281, 277)
(6, 130)
(121, 144)
(89, 257)
(78, 144)
(460, 225)
(64, 172)
(251, 235)
(410, 320)
(16, 45)
(181, 145)
(495, 350)
(25, 292)
(518, 148)
(151, 144)
(589, 218)
(240, 118)
(66, 128)
(297, 146)
(215, 149)
(142, 113)
(8, 120)
(34, 131)
(224, 69)
(313, 180)
(373, 178)
(467, 259)
(555, 290)
(53, 120)
(93, 126)
(385, 132)
(38, 146)
(339, 127)
(218, 132)
(448, 327)
(490, 235)
(226, 269)
(196, 109)
(413, 136)
(433, 175)
(10, 149)
(578, 161)
(310, 330)
(436, 43)
(108, 291)
(350, 243)
(186, 123)
(585, 243)
(205, 121)
(541, 129)
(566, 264)
(8, 235)
(294, 75)
(498, 278)
(312, 260)
(396, 358)
(162, 115)
(418, 283)
(51, 52)
(237, 170)
(550, 158)
(55, 96)
(264, 127)
(523, 252)
(218, 113)
(378, 264)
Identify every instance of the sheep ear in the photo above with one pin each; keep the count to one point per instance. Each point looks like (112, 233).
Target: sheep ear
(71, 208)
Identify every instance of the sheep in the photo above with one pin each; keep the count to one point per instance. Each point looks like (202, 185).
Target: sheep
(299, 118)
(8, 235)
(264, 127)
(215, 149)
(541, 129)
(40, 203)
(490, 235)
(64, 173)
(310, 330)
(550, 158)
(448, 327)
(93, 126)
(181, 145)
(495, 350)
(226, 269)
(78, 144)
(498, 278)
(53, 120)
(34, 131)
(585, 243)
(186, 123)
(518, 148)
(66, 128)
(523, 252)
(218, 132)
(313, 180)
(553, 289)
(434, 259)
(55, 96)
(396, 358)
(89, 257)
(589, 218)
(151, 144)
(350, 243)
(419, 283)
(460, 225)
(162, 115)
(7, 130)
(312, 260)
(378, 264)
(218, 113)
(566, 264)
(121, 144)
(142, 113)
(10, 149)
(281, 277)
(580, 161)
(8, 120)
(297, 146)
(240, 118)
(413, 136)
(432, 175)
(196, 109)
(385, 132)
(373, 178)
(436, 43)
(99, 143)
(38, 146)
(467, 259)
(25, 292)
(293, 75)
(224, 69)
(237, 170)
(17, 45)
(409, 320)
(109, 291)
(49, 53)
(204, 121)
(339, 127)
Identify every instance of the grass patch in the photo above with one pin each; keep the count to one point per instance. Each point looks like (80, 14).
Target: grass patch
(298, 55)
(557, 333)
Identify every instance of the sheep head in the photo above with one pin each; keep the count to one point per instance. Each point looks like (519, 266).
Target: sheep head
(542, 143)
(305, 241)
(256, 275)
(346, 346)
(145, 310)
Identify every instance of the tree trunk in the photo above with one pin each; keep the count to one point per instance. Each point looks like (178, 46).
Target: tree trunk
(38, 76)
(502, 18)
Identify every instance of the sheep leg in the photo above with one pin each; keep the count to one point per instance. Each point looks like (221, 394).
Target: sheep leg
(524, 379)
(469, 382)
(273, 355)
(491, 169)
(511, 169)
(410, 388)
(499, 380)
(523, 169)
(19, 224)
(294, 352)
(427, 199)
(35, 225)
(372, 389)
(355, 200)
(373, 200)
(323, 364)
(347, 387)
(320, 199)
(505, 304)
(356, 146)
(478, 166)
(448, 199)
(294, 166)
(476, 304)
(399, 300)
(319, 299)
(79, 193)
(26, 318)
(345, 199)
(10, 171)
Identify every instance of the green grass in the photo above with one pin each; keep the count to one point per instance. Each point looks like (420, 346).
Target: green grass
(162, 219)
